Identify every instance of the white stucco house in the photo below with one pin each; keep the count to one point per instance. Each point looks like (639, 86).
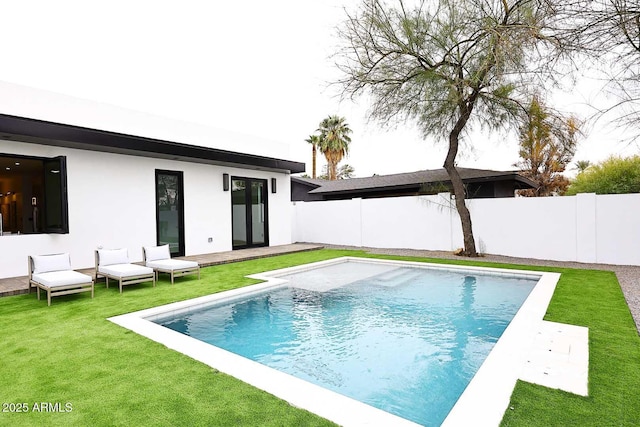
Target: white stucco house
(77, 175)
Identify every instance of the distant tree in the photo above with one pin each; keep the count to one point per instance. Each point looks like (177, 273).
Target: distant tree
(547, 146)
(314, 140)
(345, 171)
(334, 142)
(448, 64)
(616, 175)
(582, 165)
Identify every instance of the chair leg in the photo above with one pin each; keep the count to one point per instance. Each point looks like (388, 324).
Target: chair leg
(106, 280)
(49, 297)
(172, 277)
(38, 291)
(120, 285)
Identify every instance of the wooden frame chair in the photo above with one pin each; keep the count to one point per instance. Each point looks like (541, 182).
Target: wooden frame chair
(53, 274)
(114, 264)
(159, 258)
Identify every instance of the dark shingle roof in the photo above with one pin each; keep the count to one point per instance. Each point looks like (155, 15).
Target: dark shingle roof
(310, 182)
(411, 179)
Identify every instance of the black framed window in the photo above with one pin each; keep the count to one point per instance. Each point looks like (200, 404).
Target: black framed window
(33, 194)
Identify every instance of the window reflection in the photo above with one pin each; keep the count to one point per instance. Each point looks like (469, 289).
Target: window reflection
(21, 194)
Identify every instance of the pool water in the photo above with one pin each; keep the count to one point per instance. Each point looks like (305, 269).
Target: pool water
(405, 340)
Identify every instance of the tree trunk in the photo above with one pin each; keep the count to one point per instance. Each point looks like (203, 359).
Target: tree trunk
(313, 161)
(458, 185)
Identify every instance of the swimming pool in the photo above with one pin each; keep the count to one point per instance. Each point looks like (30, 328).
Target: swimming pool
(422, 342)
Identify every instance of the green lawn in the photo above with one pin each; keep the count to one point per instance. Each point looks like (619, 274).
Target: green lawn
(70, 353)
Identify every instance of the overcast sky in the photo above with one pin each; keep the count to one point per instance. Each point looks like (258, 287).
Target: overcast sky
(257, 67)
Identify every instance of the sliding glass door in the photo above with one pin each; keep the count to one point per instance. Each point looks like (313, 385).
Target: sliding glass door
(249, 212)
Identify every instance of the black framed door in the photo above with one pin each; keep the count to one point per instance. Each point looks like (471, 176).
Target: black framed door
(249, 206)
(170, 211)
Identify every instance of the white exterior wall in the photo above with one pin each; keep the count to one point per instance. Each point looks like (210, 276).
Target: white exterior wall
(407, 222)
(583, 228)
(532, 227)
(337, 222)
(111, 203)
(618, 229)
(39, 104)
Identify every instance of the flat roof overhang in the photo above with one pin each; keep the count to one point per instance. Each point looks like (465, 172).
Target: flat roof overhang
(69, 136)
(519, 181)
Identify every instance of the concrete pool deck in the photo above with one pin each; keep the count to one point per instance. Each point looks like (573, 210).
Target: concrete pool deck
(529, 349)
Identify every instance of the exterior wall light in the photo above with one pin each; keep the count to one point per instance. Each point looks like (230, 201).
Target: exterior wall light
(225, 182)
(273, 185)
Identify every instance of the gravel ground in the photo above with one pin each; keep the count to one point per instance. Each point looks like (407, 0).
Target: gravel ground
(628, 275)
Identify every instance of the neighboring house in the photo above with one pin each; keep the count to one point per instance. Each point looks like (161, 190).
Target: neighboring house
(479, 183)
(301, 189)
(77, 175)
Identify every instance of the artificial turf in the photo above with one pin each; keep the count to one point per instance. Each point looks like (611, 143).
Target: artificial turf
(68, 358)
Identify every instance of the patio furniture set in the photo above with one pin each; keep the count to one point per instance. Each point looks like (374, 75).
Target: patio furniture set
(53, 273)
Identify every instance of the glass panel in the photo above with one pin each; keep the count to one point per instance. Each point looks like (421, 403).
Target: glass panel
(55, 196)
(22, 194)
(168, 196)
(257, 211)
(239, 213)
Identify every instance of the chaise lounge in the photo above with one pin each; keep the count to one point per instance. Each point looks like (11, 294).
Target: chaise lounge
(114, 264)
(53, 274)
(159, 258)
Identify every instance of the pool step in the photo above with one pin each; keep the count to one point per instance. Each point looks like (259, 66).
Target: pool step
(396, 277)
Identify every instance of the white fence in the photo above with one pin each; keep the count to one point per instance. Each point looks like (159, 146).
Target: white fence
(584, 228)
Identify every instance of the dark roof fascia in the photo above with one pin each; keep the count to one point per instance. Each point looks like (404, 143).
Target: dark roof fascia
(502, 177)
(490, 178)
(69, 136)
(305, 182)
(367, 190)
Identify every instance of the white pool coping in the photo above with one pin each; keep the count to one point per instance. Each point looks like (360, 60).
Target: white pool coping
(483, 402)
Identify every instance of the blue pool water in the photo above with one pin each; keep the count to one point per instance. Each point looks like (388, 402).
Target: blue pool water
(402, 339)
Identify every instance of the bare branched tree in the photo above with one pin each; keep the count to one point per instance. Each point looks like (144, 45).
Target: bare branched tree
(448, 65)
(608, 32)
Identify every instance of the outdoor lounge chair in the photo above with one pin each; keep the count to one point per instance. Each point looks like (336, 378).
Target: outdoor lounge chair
(114, 264)
(159, 258)
(53, 273)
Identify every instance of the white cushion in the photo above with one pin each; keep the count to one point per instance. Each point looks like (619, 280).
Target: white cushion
(172, 264)
(46, 263)
(125, 270)
(54, 279)
(157, 252)
(113, 256)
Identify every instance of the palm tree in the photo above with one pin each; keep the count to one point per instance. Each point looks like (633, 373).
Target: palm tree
(582, 165)
(345, 171)
(314, 140)
(334, 142)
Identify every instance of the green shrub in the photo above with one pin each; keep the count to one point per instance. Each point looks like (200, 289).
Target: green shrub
(616, 175)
